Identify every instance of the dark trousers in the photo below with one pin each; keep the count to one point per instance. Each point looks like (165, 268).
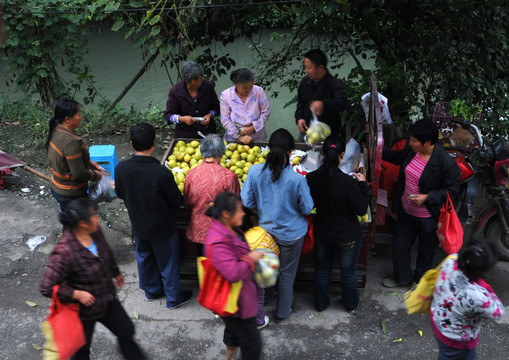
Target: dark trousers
(408, 228)
(159, 268)
(446, 352)
(348, 257)
(243, 333)
(117, 321)
(63, 200)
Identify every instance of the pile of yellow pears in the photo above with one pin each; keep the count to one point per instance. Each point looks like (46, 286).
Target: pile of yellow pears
(237, 157)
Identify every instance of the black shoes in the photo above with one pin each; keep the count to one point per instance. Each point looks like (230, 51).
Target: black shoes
(186, 297)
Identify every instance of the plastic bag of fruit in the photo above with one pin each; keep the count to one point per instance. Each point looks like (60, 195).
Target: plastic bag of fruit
(317, 132)
(267, 269)
(102, 190)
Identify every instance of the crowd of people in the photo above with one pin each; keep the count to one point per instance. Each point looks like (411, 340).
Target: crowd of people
(277, 201)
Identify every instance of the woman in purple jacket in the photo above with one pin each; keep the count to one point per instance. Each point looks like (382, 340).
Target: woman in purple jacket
(192, 103)
(230, 254)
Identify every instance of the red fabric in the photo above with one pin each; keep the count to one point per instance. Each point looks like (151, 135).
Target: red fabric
(390, 172)
(215, 289)
(449, 230)
(309, 239)
(66, 326)
(203, 184)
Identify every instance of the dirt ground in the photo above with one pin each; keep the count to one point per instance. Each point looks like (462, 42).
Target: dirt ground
(193, 332)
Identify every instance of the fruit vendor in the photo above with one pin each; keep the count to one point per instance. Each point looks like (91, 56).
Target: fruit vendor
(244, 109)
(321, 92)
(192, 103)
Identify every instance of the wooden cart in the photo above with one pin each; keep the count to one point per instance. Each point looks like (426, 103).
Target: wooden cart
(372, 159)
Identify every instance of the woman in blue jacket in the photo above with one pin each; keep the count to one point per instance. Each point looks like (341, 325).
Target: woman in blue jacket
(282, 199)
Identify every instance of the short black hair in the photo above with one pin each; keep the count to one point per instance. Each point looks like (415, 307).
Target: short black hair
(317, 57)
(424, 130)
(477, 257)
(241, 76)
(76, 210)
(143, 136)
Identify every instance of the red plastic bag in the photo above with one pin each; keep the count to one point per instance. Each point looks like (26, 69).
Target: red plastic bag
(62, 329)
(216, 293)
(449, 230)
(309, 239)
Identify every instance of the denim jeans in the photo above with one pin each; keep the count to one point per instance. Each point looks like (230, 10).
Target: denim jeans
(348, 257)
(408, 228)
(159, 268)
(63, 200)
(446, 352)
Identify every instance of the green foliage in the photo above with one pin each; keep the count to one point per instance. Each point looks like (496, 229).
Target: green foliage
(459, 109)
(39, 47)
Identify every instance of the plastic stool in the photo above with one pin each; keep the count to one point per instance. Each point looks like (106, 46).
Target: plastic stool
(106, 156)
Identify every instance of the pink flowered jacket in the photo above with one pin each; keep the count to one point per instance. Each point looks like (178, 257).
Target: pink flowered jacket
(458, 306)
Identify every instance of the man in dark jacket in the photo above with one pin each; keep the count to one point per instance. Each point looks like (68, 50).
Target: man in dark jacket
(321, 92)
(151, 195)
(426, 175)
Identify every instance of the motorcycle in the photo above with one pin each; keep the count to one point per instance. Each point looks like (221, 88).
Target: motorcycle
(484, 181)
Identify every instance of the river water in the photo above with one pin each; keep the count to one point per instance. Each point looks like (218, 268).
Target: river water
(114, 62)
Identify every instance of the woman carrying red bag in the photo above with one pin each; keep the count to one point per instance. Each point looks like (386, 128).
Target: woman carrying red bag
(426, 175)
(231, 256)
(83, 266)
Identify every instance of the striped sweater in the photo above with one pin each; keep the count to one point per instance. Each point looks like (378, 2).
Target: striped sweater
(69, 162)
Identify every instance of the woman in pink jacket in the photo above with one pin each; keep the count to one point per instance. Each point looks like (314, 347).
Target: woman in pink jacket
(230, 254)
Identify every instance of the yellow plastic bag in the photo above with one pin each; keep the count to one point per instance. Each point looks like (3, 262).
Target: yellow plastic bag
(418, 299)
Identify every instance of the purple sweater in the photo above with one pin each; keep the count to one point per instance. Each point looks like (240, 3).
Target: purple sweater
(229, 257)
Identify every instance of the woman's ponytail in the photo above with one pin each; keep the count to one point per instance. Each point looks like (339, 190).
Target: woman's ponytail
(333, 147)
(64, 108)
(280, 143)
(225, 201)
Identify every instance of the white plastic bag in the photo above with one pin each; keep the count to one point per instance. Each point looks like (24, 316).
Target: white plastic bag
(267, 270)
(102, 190)
(384, 107)
(317, 131)
(352, 157)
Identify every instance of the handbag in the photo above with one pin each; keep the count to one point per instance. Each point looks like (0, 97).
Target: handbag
(216, 293)
(418, 299)
(449, 230)
(309, 239)
(62, 329)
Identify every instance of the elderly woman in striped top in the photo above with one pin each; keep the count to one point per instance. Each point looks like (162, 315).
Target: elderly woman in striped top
(426, 175)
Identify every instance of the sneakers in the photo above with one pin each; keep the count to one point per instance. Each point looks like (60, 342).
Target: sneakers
(390, 282)
(266, 319)
(186, 297)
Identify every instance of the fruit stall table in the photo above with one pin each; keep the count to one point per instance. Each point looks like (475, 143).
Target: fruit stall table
(188, 250)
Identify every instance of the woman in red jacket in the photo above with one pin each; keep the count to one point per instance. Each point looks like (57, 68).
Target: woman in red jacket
(83, 266)
(230, 254)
